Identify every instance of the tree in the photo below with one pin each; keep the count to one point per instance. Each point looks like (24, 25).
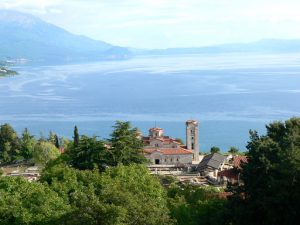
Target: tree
(126, 147)
(233, 150)
(27, 143)
(76, 136)
(56, 142)
(51, 137)
(81, 190)
(271, 190)
(214, 149)
(193, 205)
(45, 152)
(138, 193)
(90, 153)
(9, 144)
(122, 195)
(25, 203)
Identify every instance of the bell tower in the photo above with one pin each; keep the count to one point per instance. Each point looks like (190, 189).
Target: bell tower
(192, 138)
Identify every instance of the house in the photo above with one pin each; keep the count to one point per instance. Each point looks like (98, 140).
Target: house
(32, 169)
(164, 150)
(30, 173)
(211, 164)
(232, 175)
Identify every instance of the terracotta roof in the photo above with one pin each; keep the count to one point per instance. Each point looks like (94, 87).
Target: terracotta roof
(165, 139)
(238, 160)
(168, 151)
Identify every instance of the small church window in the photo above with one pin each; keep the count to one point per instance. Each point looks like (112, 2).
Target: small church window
(177, 159)
(192, 145)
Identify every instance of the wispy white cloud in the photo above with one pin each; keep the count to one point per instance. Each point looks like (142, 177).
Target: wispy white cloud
(169, 23)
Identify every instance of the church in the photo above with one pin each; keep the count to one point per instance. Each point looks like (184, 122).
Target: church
(164, 150)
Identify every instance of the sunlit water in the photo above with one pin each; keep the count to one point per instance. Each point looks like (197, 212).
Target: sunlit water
(228, 94)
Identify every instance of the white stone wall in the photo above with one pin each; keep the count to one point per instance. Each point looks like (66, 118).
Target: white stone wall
(169, 159)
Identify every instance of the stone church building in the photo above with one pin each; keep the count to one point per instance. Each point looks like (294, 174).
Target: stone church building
(164, 150)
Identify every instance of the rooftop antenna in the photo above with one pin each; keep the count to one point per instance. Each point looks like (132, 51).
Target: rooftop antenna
(155, 124)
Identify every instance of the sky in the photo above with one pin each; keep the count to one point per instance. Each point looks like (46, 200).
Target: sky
(169, 23)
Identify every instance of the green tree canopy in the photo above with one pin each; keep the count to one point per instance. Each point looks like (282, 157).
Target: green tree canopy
(192, 205)
(136, 191)
(9, 144)
(45, 152)
(271, 190)
(27, 143)
(25, 203)
(214, 149)
(126, 146)
(233, 150)
(121, 195)
(89, 153)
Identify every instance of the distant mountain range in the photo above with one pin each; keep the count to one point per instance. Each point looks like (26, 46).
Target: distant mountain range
(28, 38)
(264, 46)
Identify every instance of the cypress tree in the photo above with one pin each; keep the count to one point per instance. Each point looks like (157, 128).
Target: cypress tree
(56, 141)
(76, 136)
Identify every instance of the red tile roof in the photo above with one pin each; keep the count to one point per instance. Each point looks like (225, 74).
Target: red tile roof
(165, 139)
(238, 160)
(168, 151)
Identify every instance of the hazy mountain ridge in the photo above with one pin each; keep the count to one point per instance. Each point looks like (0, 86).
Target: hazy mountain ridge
(29, 38)
(262, 46)
(25, 36)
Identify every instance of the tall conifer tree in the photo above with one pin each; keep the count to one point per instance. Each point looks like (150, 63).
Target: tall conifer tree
(76, 136)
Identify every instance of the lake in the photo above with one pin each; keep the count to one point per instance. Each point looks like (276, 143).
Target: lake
(229, 94)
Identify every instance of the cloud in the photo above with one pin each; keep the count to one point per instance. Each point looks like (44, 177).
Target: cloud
(169, 23)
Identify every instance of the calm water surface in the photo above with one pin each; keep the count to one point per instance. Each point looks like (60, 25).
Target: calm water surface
(228, 94)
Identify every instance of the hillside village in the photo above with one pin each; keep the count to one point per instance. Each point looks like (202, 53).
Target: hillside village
(169, 157)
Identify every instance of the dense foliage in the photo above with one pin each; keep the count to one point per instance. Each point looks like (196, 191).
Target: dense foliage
(105, 182)
(121, 195)
(26, 147)
(233, 150)
(126, 146)
(22, 202)
(215, 149)
(190, 205)
(271, 191)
